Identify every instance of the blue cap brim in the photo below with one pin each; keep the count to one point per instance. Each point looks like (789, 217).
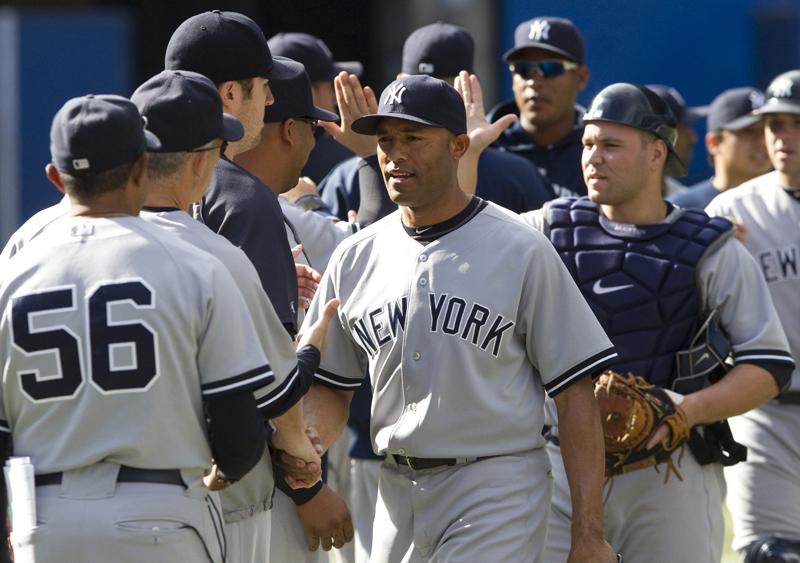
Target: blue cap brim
(352, 67)
(232, 128)
(775, 106)
(740, 122)
(368, 124)
(324, 115)
(514, 51)
(151, 142)
(280, 70)
(692, 114)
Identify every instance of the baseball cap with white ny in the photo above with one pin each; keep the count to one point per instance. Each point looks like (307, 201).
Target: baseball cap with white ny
(421, 99)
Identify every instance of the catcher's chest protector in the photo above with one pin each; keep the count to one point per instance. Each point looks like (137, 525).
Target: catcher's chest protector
(640, 280)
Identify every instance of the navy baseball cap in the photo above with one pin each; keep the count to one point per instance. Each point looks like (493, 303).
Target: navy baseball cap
(439, 49)
(184, 110)
(91, 134)
(419, 98)
(557, 35)
(684, 114)
(222, 46)
(733, 109)
(783, 94)
(293, 97)
(313, 53)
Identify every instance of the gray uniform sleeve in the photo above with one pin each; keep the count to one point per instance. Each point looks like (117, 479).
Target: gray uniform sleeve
(732, 284)
(340, 367)
(319, 235)
(534, 218)
(230, 357)
(564, 340)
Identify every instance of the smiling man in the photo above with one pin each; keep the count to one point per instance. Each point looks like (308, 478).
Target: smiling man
(653, 274)
(456, 354)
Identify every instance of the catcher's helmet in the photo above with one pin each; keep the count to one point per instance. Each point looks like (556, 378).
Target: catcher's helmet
(783, 94)
(639, 107)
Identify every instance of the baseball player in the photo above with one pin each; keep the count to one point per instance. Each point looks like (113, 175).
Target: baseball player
(735, 144)
(231, 50)
(764, 492)
(685, 117)
(112, 378)
(286, 141)
(453, 348)
(443, 50)
(653, 274)
(184, 109)
(548, 72)
(318, 61)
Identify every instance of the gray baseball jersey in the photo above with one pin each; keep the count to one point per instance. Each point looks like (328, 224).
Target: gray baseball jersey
(763, 495)
(772, 218)
(463, 335)
(112, 333)
(32, 227)
(319, 235)
(253, 492)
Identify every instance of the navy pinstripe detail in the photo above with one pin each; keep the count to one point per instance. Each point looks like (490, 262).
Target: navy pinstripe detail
(336, 381)
(279, 391)
(780, 356)
(250, 379)
(591, 365)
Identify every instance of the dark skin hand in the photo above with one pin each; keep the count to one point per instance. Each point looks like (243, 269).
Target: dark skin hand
(326, 520)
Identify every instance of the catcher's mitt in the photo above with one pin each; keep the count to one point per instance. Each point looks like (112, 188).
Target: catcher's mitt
(632, 410)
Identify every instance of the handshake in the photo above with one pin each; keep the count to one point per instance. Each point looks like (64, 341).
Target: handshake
(298, 457)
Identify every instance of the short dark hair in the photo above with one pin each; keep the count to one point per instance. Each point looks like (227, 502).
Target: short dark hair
(247, 87)
(89, 186)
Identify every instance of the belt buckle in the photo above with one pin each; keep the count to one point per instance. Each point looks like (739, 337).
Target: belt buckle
(405, 460)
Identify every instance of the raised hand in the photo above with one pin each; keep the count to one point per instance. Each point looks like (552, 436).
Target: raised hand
(353, 101)
(481, 132)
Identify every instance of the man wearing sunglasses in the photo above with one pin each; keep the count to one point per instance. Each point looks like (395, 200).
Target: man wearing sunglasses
(548, 72)
(305, 519)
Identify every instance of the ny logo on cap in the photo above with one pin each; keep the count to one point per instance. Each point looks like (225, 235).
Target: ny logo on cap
(781, 88)
(756, 99)
(395, 94)
(540, 29)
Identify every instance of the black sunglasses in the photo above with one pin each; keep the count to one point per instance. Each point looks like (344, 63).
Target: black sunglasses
(222, 146)
(547, 69)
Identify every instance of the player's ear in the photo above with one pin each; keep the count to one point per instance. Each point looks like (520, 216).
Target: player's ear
(52, 174)
(139, 170)
(288, 130)
(459, 145)
(230, 96)
(712, 140)
(659, 153)
(583, 77)
(198, 161)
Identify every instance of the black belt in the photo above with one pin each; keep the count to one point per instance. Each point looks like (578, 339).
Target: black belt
(431, 462)
(790, 398)
(126, 475)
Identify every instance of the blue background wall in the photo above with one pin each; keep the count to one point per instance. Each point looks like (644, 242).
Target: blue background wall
(64, 53)
(699, 47)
